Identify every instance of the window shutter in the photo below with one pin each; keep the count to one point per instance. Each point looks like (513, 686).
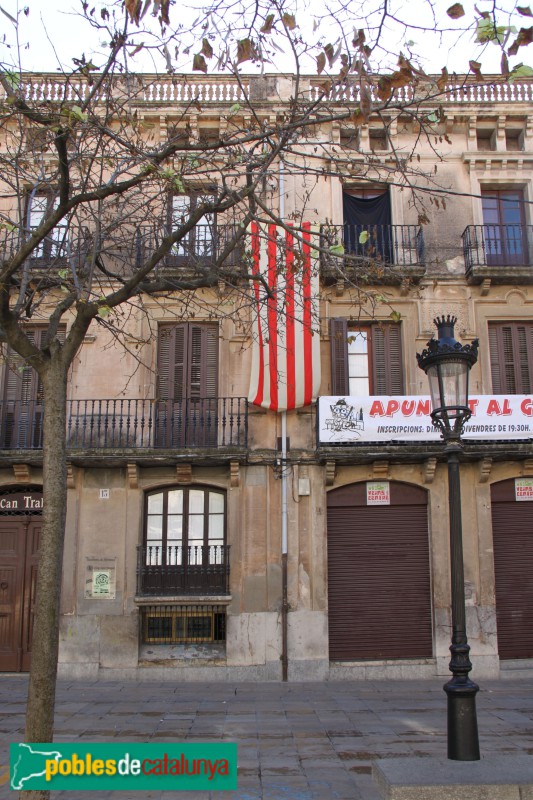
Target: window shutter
(338, 331)
(511, 357)
(22, 383)
(203, 360)
(163, 362)
(387, 371)
(187, 361)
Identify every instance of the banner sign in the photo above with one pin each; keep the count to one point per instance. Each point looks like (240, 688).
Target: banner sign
(351, 420)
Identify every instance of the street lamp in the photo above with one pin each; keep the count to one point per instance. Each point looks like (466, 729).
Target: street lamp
(447, 364)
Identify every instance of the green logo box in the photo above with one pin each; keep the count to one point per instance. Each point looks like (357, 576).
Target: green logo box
(136, 766)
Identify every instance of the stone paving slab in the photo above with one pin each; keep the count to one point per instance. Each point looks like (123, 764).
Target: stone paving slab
(504, 778)
(297, 741)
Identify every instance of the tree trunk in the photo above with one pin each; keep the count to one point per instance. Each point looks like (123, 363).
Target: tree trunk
(45, 641)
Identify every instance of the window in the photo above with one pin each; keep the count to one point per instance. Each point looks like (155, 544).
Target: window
(504, 231)
(367, 222)
(511, 357)
(366, 359)
(22, 399)
(200, 242)
(41, 205)
(184, 550)
(187, 385)
(183, 624)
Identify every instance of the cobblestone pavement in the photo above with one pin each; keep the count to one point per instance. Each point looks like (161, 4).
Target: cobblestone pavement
(296, 741)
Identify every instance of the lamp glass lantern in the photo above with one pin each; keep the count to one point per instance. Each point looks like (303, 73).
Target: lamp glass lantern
(447, 364)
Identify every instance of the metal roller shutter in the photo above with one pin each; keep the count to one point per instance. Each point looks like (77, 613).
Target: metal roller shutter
(512, 525)
(379, 579)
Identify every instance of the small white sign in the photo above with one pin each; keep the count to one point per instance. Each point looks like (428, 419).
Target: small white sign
(101, 583)
(378, 493)
(523, 488)
(104, 494)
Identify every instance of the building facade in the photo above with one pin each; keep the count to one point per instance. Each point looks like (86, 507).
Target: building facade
(173, 563)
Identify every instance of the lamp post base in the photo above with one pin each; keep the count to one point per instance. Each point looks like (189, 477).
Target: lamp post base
(463, 741)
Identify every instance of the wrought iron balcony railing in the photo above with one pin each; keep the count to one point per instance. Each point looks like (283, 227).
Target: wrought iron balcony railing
(174, 569)
(497, 246)
(391, 245)
(205, 243)
(213, 422)
(60, 247)
(202, 245)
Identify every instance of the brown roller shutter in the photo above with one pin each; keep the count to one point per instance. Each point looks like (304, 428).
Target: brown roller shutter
(378, 576)
(512, 526)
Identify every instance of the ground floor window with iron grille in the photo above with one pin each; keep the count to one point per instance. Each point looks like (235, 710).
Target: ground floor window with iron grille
(183, 624)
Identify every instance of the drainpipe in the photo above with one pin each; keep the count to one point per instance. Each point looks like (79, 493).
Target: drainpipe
(284, 493)
(284, 529)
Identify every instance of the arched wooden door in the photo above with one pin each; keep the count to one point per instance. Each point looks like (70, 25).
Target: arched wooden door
(512, 530)
(379, 587)
(19, 555)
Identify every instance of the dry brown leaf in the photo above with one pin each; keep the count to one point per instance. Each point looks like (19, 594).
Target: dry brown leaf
(456, 11)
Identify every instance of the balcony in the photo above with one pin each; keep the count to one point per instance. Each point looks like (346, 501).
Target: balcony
(214, 422)
(168, 570)
(58, 249)
(375, 253)
(201, 247)
(500, 253)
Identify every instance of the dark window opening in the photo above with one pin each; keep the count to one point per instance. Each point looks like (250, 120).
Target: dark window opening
(368, 223)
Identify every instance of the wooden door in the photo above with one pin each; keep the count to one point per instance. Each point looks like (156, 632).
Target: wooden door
(19, 554)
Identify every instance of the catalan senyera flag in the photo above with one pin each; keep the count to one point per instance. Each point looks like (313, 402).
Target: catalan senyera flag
(286, 342)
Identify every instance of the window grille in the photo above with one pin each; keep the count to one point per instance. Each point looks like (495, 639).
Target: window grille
(183, 624)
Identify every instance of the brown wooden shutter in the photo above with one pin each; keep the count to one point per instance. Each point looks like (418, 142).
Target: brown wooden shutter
(379, 588)
(387, 368)
(187, 361)
(203, 360)
(512, 526)
(511, 357)
(338, 332)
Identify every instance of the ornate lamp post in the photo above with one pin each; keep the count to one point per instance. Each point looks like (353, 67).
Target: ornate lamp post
(447, 364)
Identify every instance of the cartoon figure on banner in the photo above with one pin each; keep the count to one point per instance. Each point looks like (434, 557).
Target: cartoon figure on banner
(345, 418)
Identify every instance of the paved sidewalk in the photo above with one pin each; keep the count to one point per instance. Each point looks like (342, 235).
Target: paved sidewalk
(297, 741)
